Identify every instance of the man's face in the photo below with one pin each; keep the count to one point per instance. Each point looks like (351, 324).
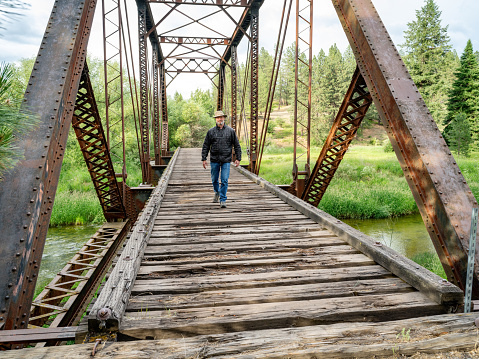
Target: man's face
(220, 121)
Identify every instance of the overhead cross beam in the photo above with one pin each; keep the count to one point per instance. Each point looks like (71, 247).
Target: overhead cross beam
(444, 199)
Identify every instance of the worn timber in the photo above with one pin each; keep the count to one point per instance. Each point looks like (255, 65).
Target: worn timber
(208, 270)
(279, 277)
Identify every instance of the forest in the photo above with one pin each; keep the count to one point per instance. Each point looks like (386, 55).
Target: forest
(448, 82)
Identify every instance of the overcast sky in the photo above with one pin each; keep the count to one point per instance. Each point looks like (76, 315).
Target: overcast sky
(22, 36)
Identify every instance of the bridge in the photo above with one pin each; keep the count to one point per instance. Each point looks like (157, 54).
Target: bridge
(271, 275)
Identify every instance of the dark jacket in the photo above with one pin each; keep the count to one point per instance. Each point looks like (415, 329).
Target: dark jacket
(220, 142)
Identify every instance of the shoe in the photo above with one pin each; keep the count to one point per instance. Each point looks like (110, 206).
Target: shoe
(216, 199)
(223, 204)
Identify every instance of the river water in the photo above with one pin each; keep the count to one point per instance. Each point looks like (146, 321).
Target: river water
(61, 245)
(407, 235)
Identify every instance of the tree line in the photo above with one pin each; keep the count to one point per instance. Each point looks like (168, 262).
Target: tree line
(448, 83)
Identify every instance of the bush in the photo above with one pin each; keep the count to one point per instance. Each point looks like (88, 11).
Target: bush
(387, 146)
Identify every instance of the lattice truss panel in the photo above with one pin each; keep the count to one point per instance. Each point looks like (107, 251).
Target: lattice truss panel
(191, 40)
(91, 137)
(345, 127)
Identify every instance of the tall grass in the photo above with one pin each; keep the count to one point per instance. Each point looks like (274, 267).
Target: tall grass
(369, 183)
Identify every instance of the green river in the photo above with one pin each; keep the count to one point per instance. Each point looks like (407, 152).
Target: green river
(407, 235)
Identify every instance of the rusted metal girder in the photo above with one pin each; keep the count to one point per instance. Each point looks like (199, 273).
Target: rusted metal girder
(67, 296)
(350, 116)
(237, 3)
(243, 25)
(444, 199)
(28, 191)
(221, 87)
(144, 107)
(156, 124)
(89, 131)
(254, 101)
(146, 31)
(234, 88)
(191, 40)
(302, 94)
(165, 141)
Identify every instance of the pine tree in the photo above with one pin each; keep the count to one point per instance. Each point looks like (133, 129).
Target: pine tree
(465, 92)
(459, 134)
(429, 57)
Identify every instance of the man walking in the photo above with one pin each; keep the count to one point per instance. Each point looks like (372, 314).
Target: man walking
(219, 142)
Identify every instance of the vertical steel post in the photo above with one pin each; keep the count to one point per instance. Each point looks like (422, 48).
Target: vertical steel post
(302, 94)
(470, 261)
(234, 87)
(254, 61)
(156, 107)
(144, 109)
(165, 143)
(221, 87)
(27, 192)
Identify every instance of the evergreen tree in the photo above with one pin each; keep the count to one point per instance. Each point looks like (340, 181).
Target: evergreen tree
(464, 94)
(429, 57)
(459, 134)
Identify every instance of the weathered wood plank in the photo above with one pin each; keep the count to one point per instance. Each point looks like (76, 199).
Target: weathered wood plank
(285, 235)
(427, 282)
(323, 245)
(111, 303)
(195, 284)
(200, 321)
(269, 294)
(297, 262)
(436, 335)
(213, 229)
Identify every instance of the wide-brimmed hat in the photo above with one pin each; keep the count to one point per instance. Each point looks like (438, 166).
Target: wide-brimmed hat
(219, 114)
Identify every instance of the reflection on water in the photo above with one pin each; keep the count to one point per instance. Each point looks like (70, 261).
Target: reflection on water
(61, 245)
(406, 235)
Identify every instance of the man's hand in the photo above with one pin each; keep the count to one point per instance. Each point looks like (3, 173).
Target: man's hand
(237, 163)
(205, 164)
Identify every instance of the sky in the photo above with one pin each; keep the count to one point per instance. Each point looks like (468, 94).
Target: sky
(21, 36)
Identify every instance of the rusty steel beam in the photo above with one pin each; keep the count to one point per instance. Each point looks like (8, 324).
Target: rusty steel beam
(254, 101)
(165, 142)
(350, 116)
(191, 40)
(302, 95)
(234, 88)
(240, 30)
(156, 108)
(28, 191)
(221, 87)
(144, 107)
(444, 199)
(232, 3)
(93, 143)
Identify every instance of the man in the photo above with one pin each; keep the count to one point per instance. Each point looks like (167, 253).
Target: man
(219, 142)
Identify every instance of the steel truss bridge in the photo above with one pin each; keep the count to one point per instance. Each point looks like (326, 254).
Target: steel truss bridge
(143, 222)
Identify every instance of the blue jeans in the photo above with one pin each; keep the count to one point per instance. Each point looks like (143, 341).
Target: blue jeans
(216, 167)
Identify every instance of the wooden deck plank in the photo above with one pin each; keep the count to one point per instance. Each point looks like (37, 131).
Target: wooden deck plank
(285, 293)
(194, 284)
(200, 321)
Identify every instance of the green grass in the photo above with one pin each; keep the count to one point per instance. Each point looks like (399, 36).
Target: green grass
(431, 262)
(369, 182)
